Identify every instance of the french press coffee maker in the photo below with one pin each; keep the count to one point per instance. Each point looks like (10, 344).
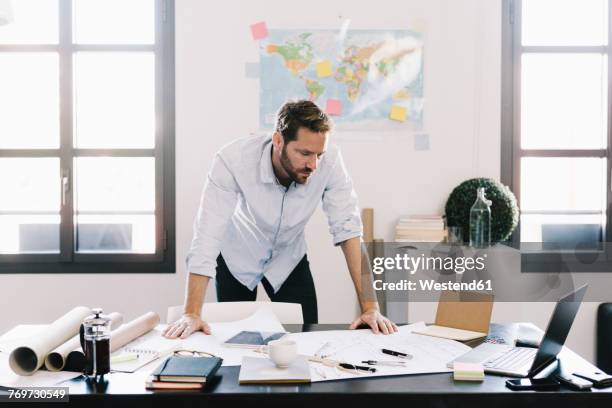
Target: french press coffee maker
(95, 341)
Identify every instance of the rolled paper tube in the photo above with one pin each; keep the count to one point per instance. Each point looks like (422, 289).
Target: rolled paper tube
(29, 357)
(132, 330)
(56, 360)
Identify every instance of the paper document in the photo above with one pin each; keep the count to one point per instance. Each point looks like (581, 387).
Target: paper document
(429, 354)
(529, 334)
(149, 347)
(263, 319)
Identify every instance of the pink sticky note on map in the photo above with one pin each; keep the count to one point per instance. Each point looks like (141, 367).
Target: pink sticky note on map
(334, 107)
(259, 30)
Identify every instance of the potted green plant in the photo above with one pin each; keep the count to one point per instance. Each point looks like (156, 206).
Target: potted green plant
(504, 207)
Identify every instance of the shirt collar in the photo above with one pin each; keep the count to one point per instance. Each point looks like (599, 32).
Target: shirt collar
(265, 166)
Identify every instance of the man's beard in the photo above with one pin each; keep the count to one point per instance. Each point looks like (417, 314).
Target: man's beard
(291, 171)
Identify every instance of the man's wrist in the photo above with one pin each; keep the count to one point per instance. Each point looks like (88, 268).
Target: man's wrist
(370, 307)
(191, 313)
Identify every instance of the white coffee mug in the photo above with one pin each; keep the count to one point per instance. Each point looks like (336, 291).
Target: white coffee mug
(282, 352)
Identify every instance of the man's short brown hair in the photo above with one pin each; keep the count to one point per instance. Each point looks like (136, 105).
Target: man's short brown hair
(306, 114)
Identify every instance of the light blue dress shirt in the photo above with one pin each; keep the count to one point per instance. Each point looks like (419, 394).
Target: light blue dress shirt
(256, 223)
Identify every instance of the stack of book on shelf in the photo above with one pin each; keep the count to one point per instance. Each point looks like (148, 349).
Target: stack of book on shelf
(420, 228)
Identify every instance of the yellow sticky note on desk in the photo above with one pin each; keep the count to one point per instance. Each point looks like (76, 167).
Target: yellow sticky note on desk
(324, 69)
(398, 113)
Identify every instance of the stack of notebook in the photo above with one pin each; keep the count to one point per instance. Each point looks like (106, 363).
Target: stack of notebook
(468, 372)
(180, 372)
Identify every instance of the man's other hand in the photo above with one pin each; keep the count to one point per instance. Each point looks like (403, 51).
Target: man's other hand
(185, 326)
(376, 321)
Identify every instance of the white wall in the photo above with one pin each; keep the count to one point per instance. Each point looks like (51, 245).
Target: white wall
(216, 103)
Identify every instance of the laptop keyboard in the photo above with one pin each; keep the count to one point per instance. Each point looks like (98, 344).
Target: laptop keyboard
(512, 360)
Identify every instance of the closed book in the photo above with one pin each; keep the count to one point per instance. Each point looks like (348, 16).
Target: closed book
(421, 217)
(184, 369)
(424, 233)
(152, 384)
(426, 226)
(416, 223)
(420, 236)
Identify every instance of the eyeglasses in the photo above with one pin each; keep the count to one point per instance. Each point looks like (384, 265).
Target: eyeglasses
(193, 353)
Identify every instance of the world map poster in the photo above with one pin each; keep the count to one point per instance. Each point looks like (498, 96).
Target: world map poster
(365, 79)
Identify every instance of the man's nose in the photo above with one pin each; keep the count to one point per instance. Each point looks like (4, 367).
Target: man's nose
(313, 162)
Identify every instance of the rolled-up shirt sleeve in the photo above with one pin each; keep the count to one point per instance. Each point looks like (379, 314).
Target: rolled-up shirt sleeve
(340, 205)
(217, 204)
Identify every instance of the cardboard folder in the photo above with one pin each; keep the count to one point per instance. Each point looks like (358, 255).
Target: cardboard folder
(461, 316)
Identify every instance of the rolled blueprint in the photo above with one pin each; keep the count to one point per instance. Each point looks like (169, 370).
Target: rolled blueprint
(56, 359)
(29, 357)
(132, 330)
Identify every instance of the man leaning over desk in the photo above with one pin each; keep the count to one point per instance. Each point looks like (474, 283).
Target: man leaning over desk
(260, 193)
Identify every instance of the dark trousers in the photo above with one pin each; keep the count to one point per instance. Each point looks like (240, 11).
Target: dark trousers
(298, 288)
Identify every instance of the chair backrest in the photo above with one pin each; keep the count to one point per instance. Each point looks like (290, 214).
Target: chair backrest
(604, 337)
(287, 313)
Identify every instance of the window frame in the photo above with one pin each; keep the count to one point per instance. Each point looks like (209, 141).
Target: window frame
(68, 260)
(511, 152)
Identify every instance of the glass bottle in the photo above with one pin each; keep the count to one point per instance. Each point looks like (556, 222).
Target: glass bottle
(480, 221)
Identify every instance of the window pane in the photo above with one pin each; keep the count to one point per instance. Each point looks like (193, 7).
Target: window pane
(563, 184)
(565, 22)
(29, 205)
(114, 21)
(28, 233)
(114, 100)
(562, 231)
(30, 184)
(563, 101)
(29, 100)
(116, 184)
(116, 233)
(35, 22)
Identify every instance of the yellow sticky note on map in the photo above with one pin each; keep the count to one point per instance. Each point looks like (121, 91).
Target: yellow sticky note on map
(398, 113)
(324, 69)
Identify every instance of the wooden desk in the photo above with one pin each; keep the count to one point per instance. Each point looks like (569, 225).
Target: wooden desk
(431, 390)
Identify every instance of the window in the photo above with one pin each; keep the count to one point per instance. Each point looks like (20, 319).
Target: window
(87, 137)
(555, 130)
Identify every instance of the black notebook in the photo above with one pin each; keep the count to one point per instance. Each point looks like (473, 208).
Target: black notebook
(187, 369)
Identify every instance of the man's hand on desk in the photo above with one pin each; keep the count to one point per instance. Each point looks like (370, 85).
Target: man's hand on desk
(377, 322)
(185, 326)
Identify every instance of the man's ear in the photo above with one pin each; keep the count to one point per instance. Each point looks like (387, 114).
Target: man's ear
(277, 140)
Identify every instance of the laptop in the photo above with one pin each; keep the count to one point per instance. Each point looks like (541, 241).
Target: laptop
(526, 361)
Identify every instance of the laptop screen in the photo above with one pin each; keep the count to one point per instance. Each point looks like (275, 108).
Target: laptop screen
(558, 328)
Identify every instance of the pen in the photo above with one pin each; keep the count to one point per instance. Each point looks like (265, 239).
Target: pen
(397, 354)
(356, 367)
(385, 363)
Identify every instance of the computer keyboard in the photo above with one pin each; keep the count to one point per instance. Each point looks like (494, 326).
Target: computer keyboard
(513, 359)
